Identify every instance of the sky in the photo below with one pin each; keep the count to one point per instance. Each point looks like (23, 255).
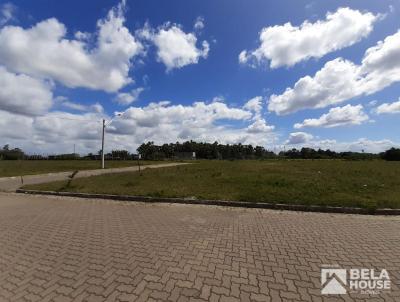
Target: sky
(279, 74)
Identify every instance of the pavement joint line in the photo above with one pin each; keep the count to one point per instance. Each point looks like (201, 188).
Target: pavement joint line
(228, 203)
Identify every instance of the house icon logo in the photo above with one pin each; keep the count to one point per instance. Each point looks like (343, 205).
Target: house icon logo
(333, 281)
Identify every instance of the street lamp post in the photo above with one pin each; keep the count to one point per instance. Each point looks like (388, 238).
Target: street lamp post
(102, 137)
(102, 144)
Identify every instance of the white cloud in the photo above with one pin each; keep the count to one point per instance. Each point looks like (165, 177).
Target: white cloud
(95, 108)
(388, 108)
(286, 45)
(160, 122)
(333, 84)
(15, 127)
(243, 57)
(23, 94)
(56, 127)
(219, 99)
(260, 126)
(74, 106)
(296, 138)
(82, 36)
(338, 116)
(175, 48)
(7, 12)
(54, 132)
(199, 23)
(359, 145)
(254, 104)
(44, 51)
(163, 122)
(340, 80)
(373, 146)
(199, 114)
(127, 98)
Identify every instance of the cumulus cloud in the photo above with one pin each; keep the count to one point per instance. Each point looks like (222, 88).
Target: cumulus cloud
(359, 145)
(66, 103)
(338, 116)
(373, 146)
(127, 98)
(260, 126)
(175, 48)
(7, 12)
(199, 114)
(23, 94)
(286, 45)
(20, 131)
(199, 23)
(218, 98)
(52, 132)
(44, 51)
(160, 122)
(388, 108)
(254, 104)
(163, 122)
(74, 106)
(296, 138)
(55, 127)
(340, 80)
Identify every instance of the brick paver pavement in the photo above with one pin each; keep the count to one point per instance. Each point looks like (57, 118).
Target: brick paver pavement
(65, 249)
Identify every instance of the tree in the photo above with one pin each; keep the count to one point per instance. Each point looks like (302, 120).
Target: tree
(11, 154)
(120, 154)
(391, 154)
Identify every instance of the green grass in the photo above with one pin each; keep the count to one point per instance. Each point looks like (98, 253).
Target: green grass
(369, 184)
(29, 167)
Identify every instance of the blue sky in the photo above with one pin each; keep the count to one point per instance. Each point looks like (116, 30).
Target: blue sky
(159, 55)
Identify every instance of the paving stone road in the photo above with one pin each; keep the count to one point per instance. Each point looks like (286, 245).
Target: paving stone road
(66, 249)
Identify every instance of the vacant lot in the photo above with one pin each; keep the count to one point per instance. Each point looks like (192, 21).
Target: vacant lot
(323, 182)
(29, 167)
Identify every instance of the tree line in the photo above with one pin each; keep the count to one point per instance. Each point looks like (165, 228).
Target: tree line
(203, 151)
(186, 150)
(239, 151)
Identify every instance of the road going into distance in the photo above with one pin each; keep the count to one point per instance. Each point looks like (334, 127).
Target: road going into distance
(69, 249)
(10, 184)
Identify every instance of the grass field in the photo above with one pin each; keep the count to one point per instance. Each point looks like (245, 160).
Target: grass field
(29, 167)
(369, 184)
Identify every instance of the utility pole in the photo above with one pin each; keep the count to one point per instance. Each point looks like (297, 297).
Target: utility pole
(138, 161)
(102, 144)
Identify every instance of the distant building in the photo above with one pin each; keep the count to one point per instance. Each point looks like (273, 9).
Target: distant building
(185, 155)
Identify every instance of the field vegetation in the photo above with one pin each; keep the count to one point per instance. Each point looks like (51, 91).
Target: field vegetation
(369, 184)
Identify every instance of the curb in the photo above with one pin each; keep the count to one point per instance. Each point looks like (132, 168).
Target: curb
(260, 205)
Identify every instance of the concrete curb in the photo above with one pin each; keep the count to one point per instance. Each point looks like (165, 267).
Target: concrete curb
(261, 205)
